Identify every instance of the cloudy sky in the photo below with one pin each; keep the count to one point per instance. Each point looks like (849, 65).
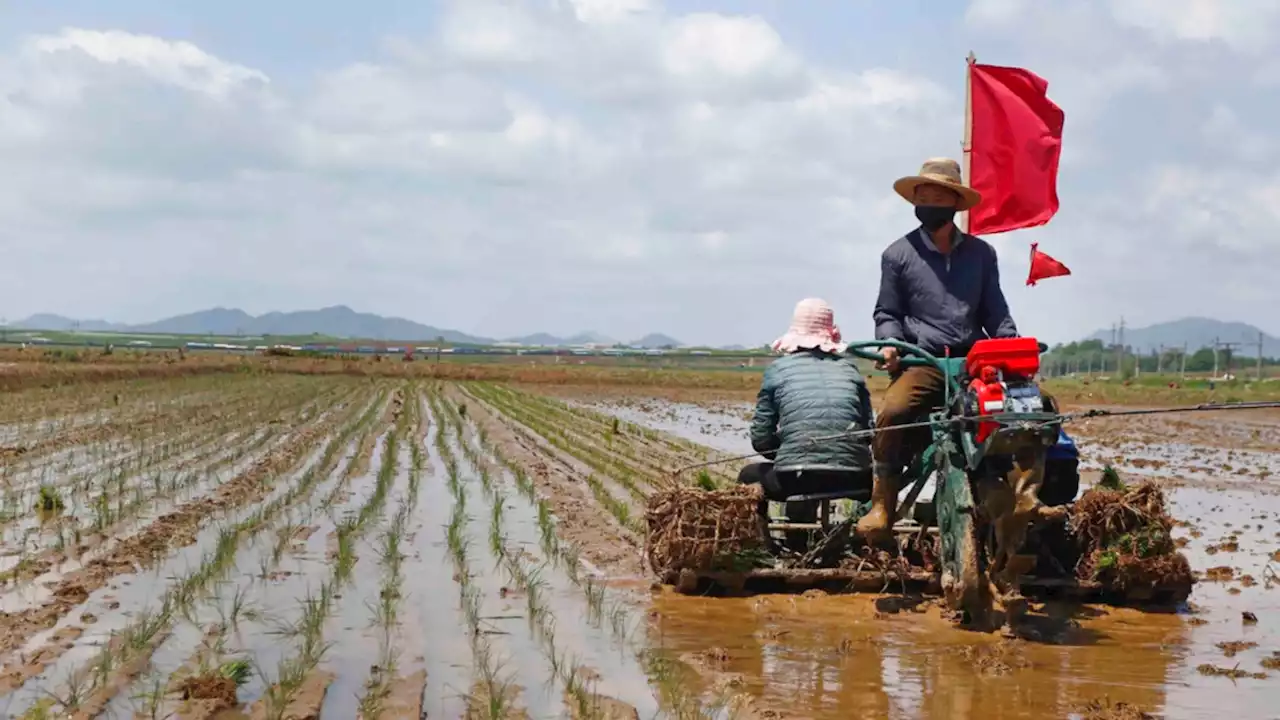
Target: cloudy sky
(507, 166)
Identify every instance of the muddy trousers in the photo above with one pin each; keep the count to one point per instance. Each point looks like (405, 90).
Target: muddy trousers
(780, 484)
(912, 395)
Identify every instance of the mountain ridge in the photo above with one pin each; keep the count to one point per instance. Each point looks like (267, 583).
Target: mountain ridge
(342, 321)
(334, 321)
(1195, 332)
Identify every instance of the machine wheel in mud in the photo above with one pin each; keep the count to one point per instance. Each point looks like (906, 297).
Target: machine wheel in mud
(964, 572)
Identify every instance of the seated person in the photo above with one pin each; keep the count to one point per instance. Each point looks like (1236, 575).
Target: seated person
(813, 390)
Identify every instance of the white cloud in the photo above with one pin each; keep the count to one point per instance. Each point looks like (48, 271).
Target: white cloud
(175, 63)
(1224, 130)
(1250, 25)
(563, 164)
(995, 13)
(609, 11)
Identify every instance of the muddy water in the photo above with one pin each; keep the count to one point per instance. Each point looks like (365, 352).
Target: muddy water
(593, 643)
(866, 656)
(431, 603)
(353, 626)
(116, 605)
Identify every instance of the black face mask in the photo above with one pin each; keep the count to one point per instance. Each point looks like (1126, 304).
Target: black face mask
(933, 217)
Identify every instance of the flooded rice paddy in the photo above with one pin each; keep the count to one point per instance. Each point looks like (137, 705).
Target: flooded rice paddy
(279, 546)
(846, 656)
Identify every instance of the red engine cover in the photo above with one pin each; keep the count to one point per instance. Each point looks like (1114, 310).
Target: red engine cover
(1015, 357)
(989, 396)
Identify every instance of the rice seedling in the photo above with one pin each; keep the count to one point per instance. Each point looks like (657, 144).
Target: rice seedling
(49, 499)
(149, 701)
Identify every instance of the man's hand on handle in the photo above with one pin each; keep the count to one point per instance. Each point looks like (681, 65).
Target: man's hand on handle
(890, 361)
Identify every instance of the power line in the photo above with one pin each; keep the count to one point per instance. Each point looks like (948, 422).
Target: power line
(1218, 344)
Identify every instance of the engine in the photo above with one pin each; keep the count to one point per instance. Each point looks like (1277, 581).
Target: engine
(1002, 380)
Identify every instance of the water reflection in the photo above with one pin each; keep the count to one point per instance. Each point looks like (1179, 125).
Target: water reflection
(839, 657)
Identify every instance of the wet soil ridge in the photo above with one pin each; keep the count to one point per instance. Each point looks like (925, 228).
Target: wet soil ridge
(99, 512)
(174, 529)
(132, 442)
(118, 664)
(388, 693)
(301, 681)
(476, 551)
(620, 464)
(546, 572)
(1126, 542)
(249, 621)
(565, 544)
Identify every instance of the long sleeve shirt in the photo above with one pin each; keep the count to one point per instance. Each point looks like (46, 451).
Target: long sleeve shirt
(940, 301)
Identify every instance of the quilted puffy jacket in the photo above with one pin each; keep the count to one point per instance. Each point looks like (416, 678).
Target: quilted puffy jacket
(808, 394)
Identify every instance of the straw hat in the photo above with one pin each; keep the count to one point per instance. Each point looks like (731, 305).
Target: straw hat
(943, 172)
(813, 327)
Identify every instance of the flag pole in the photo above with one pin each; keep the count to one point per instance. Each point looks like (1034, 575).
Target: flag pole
(967, 145)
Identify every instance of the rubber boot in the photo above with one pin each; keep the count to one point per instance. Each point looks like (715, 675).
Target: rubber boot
(884, 503)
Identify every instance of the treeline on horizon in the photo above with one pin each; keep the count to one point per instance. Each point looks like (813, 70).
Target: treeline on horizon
(1095, 355)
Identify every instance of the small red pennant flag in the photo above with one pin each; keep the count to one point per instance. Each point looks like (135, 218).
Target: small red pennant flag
(1043, 266)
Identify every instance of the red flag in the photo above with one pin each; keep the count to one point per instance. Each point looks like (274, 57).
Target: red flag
(1043, 266)
(1015, 138)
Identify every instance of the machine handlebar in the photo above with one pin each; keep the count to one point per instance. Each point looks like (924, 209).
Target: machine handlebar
(909, 355)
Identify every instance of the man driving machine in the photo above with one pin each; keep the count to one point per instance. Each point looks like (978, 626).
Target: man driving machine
(939, 290)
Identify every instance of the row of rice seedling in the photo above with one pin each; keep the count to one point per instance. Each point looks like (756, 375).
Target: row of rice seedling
(308, 582)
(645, 447)
(493, 692)
(623, 506)
(542, 579)
(628, 456)
(254, 610)
(618, 611)
(60, 435)
(356, 537)
(385, 693)
(138, 439)
(284, 673)
(76, 528)
(562, 434)
(210, 542)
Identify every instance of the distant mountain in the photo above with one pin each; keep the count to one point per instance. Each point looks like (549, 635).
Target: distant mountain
(1195, 332)
(589, 337)
(655, 340)
(46, 321)
(538, 339)
(336, 321)
(548, 340)
(218, 321)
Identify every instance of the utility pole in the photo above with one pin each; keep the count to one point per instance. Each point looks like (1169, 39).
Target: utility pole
(1260, 339)
(1183, 373)
(1120, 350)
(1228, 346)
(1160, 360)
